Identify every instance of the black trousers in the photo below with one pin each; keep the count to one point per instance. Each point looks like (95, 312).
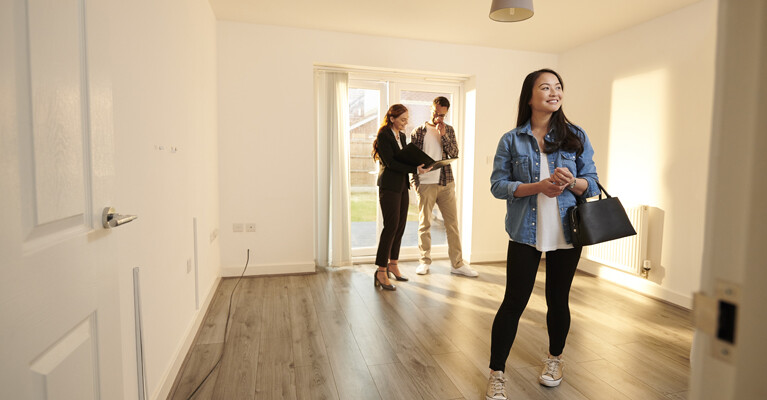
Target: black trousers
(521, 266)
(394, 211)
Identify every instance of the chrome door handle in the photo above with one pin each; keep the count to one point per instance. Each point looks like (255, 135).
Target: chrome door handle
(111, 219)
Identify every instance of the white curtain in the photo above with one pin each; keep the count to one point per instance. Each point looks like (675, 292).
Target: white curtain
(333, 191)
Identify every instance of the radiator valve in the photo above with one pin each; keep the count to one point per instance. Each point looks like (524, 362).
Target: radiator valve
(646, 267)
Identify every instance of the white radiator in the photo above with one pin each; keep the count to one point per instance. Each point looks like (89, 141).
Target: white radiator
(626, 254)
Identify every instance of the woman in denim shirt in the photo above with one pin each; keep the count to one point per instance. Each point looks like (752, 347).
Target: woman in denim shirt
(539, 169)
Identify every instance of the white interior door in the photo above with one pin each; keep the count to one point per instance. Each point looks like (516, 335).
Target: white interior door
(59, 307)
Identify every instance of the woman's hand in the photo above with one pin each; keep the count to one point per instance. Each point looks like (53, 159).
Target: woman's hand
(550, 188)
(562, 176)
(422, 170)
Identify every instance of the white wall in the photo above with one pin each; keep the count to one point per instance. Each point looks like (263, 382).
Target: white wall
(165, 95)
(267, 132)
(645, 96)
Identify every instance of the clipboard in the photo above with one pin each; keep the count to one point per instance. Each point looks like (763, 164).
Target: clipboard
(413, 156)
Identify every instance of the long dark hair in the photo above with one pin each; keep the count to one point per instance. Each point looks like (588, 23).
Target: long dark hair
(394, 112)
(562, 128)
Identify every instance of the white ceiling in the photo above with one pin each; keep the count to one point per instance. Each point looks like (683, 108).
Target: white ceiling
(558, 25)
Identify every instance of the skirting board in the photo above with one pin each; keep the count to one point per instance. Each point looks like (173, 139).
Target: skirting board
(635, 283)
(269, 269)
(170, 374)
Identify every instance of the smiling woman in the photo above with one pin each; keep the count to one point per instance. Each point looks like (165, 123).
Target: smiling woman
(540, 167)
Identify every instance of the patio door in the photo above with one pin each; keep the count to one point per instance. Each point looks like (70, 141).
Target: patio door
(368, 102)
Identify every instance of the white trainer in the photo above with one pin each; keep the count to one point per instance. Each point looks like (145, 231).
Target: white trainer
(551, 375)
(496, 386)
(422, 269)
(465, 270)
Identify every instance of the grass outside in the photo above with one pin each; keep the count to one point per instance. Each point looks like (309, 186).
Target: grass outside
(363, 207)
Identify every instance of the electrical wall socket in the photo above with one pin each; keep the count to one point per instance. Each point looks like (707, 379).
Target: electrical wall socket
(250, 227)
(237, 227)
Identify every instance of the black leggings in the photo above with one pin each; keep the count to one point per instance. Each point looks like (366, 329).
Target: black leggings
(521, 266)
(394, 207)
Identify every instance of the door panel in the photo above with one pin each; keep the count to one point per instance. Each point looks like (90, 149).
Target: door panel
(68, 369)
(56, 64)
(60, 334)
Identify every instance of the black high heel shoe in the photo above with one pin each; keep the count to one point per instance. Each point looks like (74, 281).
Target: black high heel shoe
(400, 278)
(377, 282)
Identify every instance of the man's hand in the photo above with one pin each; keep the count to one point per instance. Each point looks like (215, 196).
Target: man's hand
(440, 128)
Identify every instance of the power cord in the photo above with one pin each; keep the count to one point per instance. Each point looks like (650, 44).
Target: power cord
(226, 329)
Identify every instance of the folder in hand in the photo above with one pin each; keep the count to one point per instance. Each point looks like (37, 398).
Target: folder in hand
(413, 156)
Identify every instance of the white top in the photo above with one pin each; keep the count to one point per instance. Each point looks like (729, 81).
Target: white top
(549, 235)
(432, 145)
(396, 138)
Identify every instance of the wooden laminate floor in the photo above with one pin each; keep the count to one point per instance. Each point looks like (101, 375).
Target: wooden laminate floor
(331, 335)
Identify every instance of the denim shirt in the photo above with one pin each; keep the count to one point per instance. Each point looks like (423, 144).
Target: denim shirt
(517, 161)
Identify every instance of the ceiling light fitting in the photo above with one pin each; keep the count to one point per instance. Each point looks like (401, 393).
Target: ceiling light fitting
(511, 10)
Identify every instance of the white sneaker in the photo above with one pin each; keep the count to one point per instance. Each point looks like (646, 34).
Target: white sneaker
(496, 387)
(422, 269)
(464, 270)
(551, 375)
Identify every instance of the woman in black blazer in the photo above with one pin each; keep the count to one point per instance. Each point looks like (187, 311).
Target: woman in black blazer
(393, 186)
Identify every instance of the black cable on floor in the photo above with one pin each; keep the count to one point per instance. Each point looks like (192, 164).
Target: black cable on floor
(226, 330)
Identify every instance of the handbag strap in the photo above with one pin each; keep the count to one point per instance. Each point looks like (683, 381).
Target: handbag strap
(602, 189)
(581, 199)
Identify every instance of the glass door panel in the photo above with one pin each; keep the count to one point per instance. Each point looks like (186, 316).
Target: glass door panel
(366, 109)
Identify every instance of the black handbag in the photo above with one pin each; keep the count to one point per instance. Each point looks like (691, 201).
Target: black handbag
(598, 221)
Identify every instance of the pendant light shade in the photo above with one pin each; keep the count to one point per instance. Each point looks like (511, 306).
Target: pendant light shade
(511, 10)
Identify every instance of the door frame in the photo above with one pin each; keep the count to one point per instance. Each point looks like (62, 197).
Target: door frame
(395, 84)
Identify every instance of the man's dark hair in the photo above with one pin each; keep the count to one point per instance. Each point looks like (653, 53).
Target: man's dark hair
(441, 101)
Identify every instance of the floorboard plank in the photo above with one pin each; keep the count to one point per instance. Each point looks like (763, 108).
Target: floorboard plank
(315, 382)
(351, 373)
(237, 370)
(622, 381)
(308, 343)
(589, 384)
(276, 375)
(470, 380)
(276, 308)
(394, 382)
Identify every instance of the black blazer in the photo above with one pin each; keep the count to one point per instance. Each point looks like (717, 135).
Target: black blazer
(393, 174)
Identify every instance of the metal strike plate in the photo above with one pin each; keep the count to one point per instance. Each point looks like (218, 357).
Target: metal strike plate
(717, 317)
